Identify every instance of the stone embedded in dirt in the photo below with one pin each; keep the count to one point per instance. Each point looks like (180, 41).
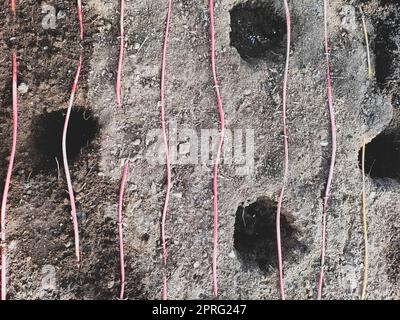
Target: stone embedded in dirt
(23, 88)
(81, 215)
(184, 148)
(61, 14)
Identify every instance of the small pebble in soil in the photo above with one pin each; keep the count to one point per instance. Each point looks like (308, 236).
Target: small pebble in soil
(23, 88)
(81, 215)
(12, 245)
(247, 92)
(61, 14)
(324, 143)
(232, 255)
(196, 265)
(184, 148)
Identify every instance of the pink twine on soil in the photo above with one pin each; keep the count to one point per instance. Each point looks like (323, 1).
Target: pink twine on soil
(80, 18)
(121, 54)
(219, 151)
(286, 157)
(166, 148)
(12, 8)
(121, 239)
(65, 160)
(8, 179)
(333, 156)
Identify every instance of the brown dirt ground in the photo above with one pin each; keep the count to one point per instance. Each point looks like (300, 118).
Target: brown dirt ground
(40, 236)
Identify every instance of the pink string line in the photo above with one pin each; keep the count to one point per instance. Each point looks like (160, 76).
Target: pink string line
(121, 239)
(166, 148)
(219, 150)
(12, 8)
(121, 54)
(333, 156)
(80, 18)
(8, 180)
(286, 157)
(65, 160)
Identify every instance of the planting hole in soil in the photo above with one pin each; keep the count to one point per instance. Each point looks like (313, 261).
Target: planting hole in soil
(255, 234)
(386, 50)
(382, 156)
(82, 130)
(257, 31)
(51, 215)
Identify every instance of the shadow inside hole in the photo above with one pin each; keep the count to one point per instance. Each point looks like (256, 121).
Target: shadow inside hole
(258, 31)
(82, 130)
(386, 49)
(255, 235)
(382, 156)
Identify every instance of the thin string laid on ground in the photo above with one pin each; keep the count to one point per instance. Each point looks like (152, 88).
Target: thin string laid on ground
(166, 148)
(364, 204)
(120, 231)
(365, 227)
(64, 139)
(8, 180)
(65, 161)
(121, 55)
(80, 18)
(219, 150)
(366, 44)
(333, 154)
(286, 157)
(12, 8)
(3, 214)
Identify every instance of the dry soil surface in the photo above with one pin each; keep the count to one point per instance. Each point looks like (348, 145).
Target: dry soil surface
(250, 48)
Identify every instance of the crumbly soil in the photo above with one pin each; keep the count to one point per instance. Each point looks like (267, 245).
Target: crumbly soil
(250, 45)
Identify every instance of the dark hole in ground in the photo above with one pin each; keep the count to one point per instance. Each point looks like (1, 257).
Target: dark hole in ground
(382, 156)
(387, 45)
(255, 235)
(257, 30)
(82, 130)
